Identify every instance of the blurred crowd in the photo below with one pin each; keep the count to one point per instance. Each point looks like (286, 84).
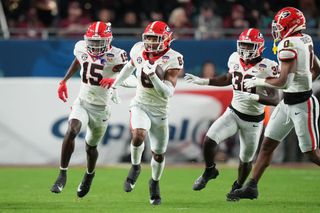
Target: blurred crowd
(198, 19)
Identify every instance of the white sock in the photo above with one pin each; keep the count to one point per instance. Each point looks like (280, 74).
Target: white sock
(65, 169)
(136, 153)
(157, 169)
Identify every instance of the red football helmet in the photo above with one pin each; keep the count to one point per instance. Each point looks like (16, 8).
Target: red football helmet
(157, 37)
(287, 21)
(98, 38)
(250, 44)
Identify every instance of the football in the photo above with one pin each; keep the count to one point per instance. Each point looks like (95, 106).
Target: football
(159, 72)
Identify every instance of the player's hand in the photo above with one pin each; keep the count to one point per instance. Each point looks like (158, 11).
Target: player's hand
(106, 82)
(149, 68)
(253, 82)
(251, 96)
(63, 91)
(195, 79)
(114, 96)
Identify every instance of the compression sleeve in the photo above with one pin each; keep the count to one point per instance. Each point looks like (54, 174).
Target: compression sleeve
(125, 72)
(164, 88)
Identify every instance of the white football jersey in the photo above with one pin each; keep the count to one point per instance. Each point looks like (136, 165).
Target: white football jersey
(146, 94)
(94, 69)
(301, 48)
(263, 69)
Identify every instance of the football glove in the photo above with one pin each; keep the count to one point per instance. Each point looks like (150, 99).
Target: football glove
(149, 68)
(253, 82)
(114, 96)
(63, 91)
(195, 79)
(107, 82)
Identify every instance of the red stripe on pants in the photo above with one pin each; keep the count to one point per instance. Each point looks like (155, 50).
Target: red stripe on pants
(310, 124)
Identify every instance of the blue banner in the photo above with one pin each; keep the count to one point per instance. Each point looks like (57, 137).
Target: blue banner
(52, 58)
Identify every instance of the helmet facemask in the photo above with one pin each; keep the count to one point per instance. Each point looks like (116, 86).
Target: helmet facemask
(154, 43)
(97, 46)
(248, 50)
(276, 31)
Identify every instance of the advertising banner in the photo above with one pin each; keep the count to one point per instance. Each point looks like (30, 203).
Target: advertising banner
(33, 121)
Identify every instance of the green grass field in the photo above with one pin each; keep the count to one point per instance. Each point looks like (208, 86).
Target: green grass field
(281, 190)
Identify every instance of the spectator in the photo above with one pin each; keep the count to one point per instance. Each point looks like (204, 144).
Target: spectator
(105, 15)
(236, 20)
(207, 23)
(31, 26)
(178, 20)
(75, 23)
(208, 70)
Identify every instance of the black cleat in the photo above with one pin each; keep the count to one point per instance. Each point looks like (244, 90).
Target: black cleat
(60, 182)
(132, 177)
(234, 187)
(84, 186)
(248, 191)
(154, 190)
(202, 181)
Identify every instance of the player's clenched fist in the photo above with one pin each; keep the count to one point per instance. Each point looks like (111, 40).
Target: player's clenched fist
(195, 79)
(106, 82)
(63, 91)
(149, 68)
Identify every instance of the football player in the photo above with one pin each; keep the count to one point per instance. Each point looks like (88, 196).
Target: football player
(99, 63)
(299, 109)
(246, 111)
(157, 68)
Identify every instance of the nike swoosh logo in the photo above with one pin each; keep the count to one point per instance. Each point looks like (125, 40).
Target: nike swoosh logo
(132, 185)
(104, 120)
(60, 188)
(79, 190)
(255, 126)
(297, 113)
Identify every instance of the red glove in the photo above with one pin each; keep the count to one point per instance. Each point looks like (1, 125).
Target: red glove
(107, 82)
(63, 91)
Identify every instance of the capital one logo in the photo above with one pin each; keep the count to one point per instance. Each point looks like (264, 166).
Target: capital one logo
(185, 130)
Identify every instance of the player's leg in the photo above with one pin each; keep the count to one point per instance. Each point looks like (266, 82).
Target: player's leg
(221, 129)
(158, 137)
(140, 123)
(277, 129)
(77, 117)
(249, 135)
(97, 127)
(306, 127)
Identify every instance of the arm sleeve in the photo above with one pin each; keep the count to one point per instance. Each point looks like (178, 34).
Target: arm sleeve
(130, 82)
(164, 88)
(126, 71)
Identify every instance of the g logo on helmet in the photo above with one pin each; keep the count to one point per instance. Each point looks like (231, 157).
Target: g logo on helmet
(285, 14)
(168, 29)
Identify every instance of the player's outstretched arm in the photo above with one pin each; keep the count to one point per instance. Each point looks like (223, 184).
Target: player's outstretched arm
(223, 80)
(63, 90)
(285, 78)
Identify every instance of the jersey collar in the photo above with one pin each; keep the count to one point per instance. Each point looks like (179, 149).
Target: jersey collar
(146, 56)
